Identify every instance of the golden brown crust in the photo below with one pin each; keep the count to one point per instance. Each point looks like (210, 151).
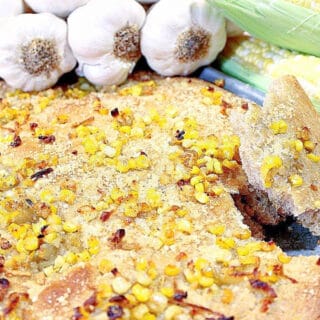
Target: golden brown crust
(127, 214)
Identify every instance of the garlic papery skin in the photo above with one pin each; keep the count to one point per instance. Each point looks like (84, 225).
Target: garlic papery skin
(34, 51)
(10, 8)
(180, 36)
(60, 8)
(107, 45)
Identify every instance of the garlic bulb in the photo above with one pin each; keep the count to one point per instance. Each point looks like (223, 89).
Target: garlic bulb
(180, 36)
(33, 51)
(10, 8)
(107, 45)
(61, 8)
(233, 30)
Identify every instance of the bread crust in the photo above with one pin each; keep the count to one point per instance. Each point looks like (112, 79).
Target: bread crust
(144, 245)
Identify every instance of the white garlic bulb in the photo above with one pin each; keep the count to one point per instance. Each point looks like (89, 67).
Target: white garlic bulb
(180, 36)
(10, 8)
(107, 45)
(60, 8)
(34, 51)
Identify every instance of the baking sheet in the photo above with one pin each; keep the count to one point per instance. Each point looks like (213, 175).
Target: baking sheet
(290, 236)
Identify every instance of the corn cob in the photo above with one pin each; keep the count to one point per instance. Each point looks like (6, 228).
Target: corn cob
(257, 63)
(291, 24)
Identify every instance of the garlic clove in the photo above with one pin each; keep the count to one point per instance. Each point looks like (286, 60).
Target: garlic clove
(178, 37)
(10, 8)
(60, 8)
(34, 51)
(107, 46)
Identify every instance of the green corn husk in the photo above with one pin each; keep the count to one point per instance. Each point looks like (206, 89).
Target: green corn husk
(278, 22)
(257, 63)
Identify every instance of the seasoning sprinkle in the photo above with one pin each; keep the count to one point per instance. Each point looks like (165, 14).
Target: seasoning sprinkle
(41, 173)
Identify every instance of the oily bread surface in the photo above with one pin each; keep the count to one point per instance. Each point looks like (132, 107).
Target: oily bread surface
(181, 255)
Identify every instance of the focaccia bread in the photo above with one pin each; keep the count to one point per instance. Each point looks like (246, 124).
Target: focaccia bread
(280, 150)
(117, 204)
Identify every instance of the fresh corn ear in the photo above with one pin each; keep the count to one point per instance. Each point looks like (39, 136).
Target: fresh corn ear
(292, 24)
(257, 63)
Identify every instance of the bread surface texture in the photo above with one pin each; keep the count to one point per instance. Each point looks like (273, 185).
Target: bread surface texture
(116, 204)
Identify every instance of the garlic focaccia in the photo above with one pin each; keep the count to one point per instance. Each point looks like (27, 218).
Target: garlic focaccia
(116, 204)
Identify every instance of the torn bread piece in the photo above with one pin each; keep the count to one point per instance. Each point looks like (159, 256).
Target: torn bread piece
(280, 150)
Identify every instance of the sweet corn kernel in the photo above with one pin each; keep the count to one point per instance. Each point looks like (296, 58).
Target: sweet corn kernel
(199, 187)
(47, 196)
(139, 311)
(105, 266)
(31, 243)
(191, 277)
(279, 127)
(227, 296)
(104, 290)
(71, 258)
(217, 190)
(217, 166)
(144, 279)
(195, 170)
(152, 272)
(84, 256)
(153, 198)
(201, 197)
(120, 285)
(141, 293)
(110, 151)
(249, 260)
(171, 270)
(184, 226)
(196, 180)
(67, 196)
(157, 303)
(296, 180)
(167, 291)
(225, 243)
(298, 145)
(313, 157)
(172, 312)
(283, 258)
(116, 194)
(309, 145)
(201, 263)
(206, 282)
(51, 237)
(141, 264)
(217, 229)
(243, 235)
(91, 145)
(249, 248)
(69, 227)
(269, 163)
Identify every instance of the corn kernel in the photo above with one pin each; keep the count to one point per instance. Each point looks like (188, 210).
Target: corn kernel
(182, 212)
(249, 260)
(47, 196)
(243, 235)
(227, 296)
(309, 145)
(296, 180)
(196, 180)
(84, 256)
(67, 196)
(201, 197)
(201, 263)
(191, 277)
(71, 258)
(70, 227)
(279, 127)
(152, 272)
(139, 311)
(167, 291)
(249, 248)
(225, 243)
(116, 194)
(48, 271)
(206, 282)
(91, 145)
(120, 285)
(172, 312)
(141, 264)
(110, 151)
(313, 157)
(171, 270)
(51, 237)
(153, 198)
(298, 145)
(105, 266)
(141, 293)
(217, 229)
(31, 243)
(157, 303)
(144, 279)
(184, 226)
(269, 163)
(283, 258)
(195, 170)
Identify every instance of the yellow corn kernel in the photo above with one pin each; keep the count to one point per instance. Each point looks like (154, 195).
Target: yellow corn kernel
(298, 145)
(225, 243)
(71, 258)
(17, 231)
(69, 227)
(185, 226)
(196, 180)
(116, 194)
(54, 219)
(167, 291)
(217, 190)
(62, 118)
(191, 277)
(199, 187)
(269, 163)
(142, 162)
(120, 285)
(243, 235)
(249, 248)
(20, 246)
(313, 157)
(47, 196)
(283, 258)
(67, 196)
(141, 264)
(309, 145)
(157, 303)
(153, 198)
(249, 260)
(139, 311)
(144, 279)
(90, 145)
(51, 237)
(201, 263)
(217, 166)
(227, 296)
(279, 127)
(206, 282)
(172, 312)
(152, 272)
(137, 132)
(31, 243)
(94, 245)
(195, 170)
(84, 256)
(296, 180)
(141, 293)
(217, 229)
(171, 270)
(105, 266)
(201, 197)
(171, 111)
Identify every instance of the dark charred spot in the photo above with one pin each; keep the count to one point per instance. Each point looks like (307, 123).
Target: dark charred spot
(75, 152)
(120, 299)
(318, 262)
(5, 244)
(182, 183)
(180, 134)
(179, 295)
(16, 142)
(33, 126)
(77, 314)
(105, 215)
(114, 312)
(118, 236)
(90, 304)
(41, 174)
(115, 271)
(47, 139)
(115, 112)
(245, 106)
